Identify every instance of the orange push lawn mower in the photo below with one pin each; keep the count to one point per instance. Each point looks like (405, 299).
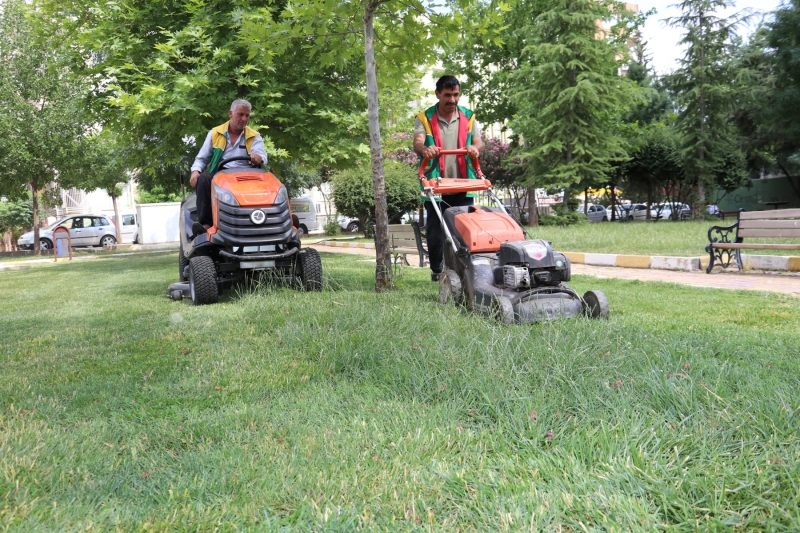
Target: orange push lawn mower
(253, 231)
(491, 268)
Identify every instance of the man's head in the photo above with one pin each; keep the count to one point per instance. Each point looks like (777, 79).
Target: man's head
(239, 114)
(448, 89)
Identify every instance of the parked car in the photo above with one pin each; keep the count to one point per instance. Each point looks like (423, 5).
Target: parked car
(597, 213)
(622, 213)
(408, 218)
(349, 224)
(665, 211)
(637, 212)
(84, 230)
(305, 211)
(129, 229)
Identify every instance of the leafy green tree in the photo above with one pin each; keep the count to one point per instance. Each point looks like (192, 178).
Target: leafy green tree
(15, 217)
(703, 86)
(352, 190)
(569, 95)
(490, 52)
(42, 123)
(769, 114)
(654, 166)
(402, 35)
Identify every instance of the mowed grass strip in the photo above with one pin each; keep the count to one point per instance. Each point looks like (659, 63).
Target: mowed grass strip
(344, 410)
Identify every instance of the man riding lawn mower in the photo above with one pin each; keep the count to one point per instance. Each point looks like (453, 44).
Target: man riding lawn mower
(491, 268)
(239, 223)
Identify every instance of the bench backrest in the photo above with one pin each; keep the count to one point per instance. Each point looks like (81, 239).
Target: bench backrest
(780, 223)
(402, 236)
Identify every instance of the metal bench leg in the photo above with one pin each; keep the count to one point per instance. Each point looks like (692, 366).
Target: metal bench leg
(710, 259)
(739, 259)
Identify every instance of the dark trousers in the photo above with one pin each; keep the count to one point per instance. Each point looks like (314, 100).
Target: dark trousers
(433, 228)
(203, 190)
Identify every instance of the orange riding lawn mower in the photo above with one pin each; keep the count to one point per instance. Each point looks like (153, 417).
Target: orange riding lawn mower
(254, 232)
(490, 266)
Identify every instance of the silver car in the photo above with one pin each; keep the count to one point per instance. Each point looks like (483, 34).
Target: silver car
(637, 212)
(84, 230)
(597, 213)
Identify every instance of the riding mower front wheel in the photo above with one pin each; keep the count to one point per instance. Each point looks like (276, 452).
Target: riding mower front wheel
(203, 280)
(309, 269)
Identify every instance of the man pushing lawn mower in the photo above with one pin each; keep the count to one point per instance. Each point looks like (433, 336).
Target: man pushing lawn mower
(484, 261)
(448, 126)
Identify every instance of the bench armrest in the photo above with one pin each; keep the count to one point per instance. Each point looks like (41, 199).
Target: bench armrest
(724, 233)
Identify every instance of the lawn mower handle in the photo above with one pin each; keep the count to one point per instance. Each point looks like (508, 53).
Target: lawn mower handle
(460, 151)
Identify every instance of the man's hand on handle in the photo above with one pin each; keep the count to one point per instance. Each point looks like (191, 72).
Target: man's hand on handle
(193, 178)
(255, 159)
(430, 152)
(473, 152)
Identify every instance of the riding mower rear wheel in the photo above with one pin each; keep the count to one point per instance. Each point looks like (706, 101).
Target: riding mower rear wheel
(182, 264)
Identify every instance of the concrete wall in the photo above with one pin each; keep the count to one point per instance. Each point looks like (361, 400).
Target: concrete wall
(158, 222)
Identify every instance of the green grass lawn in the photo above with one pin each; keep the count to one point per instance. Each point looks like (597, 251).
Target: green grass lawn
(284, 411)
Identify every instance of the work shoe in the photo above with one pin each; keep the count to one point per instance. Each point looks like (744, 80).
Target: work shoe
(435, 276)
(198, 229)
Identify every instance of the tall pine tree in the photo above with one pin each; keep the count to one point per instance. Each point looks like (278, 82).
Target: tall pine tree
(704, 89)
(569, 95)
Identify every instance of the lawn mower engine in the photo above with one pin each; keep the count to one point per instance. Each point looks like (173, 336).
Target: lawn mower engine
(531, 264)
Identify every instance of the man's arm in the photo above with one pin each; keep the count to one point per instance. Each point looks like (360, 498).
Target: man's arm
(258, 154)
(476, 149)
(200, 162)
(426, 152)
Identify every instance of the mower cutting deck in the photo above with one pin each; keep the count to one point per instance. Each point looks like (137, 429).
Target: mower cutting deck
(491, 268)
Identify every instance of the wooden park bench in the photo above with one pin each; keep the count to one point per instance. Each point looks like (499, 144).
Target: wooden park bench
(776, 224)
(407, 239)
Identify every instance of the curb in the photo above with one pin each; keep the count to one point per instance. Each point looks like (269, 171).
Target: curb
(655, 262)
(340, 244)
(686, 264)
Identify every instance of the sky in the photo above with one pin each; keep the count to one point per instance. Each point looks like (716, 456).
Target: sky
(662, 40)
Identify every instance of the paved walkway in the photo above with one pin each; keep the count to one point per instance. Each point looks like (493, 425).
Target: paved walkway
(787, 283)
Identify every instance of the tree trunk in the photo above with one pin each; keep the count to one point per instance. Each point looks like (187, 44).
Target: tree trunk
(383, 256)
(613, 204)
(117, 219)
(649, 201)
(533, 207)
(35, 199)
(586, 201)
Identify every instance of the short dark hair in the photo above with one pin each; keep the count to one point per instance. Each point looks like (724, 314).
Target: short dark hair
(446, 82)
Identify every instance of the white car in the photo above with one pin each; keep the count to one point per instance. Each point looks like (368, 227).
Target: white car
(637, 212)
(84, 230)
(665, 211)
(129, 229)
(349, 224)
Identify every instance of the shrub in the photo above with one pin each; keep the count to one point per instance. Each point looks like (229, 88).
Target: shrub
(332, 229)
(353, 193)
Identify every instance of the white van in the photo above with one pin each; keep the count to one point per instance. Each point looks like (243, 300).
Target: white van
(129, 228)
(306, 213)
